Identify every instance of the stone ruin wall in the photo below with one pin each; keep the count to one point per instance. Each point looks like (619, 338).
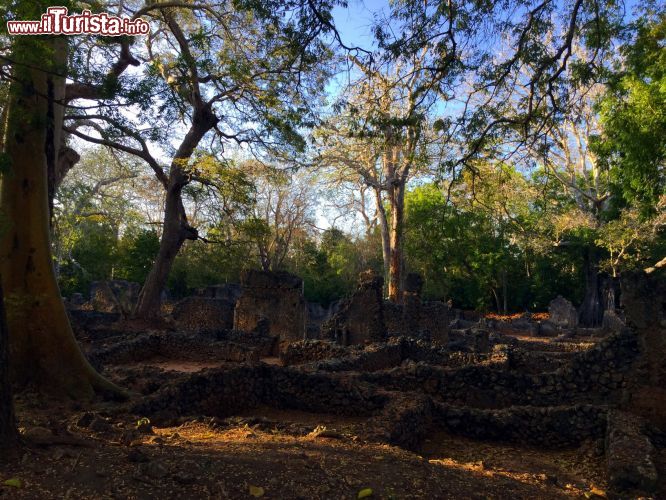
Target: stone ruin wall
(203, 313)
(114, 296)
(644, 301)
(275, 298)
(366, 317)
(360, 319)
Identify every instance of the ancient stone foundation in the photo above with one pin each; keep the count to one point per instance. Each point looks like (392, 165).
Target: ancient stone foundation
(172, 345)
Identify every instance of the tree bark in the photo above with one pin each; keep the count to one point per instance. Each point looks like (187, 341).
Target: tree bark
(384, 231)
(8, 432)
(397, 201)
(43, 350)
(591, 310)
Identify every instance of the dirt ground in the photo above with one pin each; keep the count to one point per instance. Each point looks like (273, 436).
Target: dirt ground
(269, 453)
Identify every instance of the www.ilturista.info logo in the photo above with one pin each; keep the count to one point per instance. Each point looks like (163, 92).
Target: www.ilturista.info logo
(57, 22)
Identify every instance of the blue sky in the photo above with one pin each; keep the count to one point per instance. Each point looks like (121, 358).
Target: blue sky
(354, 22)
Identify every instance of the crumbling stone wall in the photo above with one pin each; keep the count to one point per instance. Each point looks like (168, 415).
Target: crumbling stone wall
(435, 318)
(87, 324)
(611, 322)
(403, 418)
(197, 313)
(405, 421)
(276, 296)
(308, 351)
(172, 345)
(644, 301)
(361, 317)
(417, 318)
(401, 350)
(223, 393)
(114, 296)
(393, 319)
(599, 374)
(629, 456)
(552, 427)
(411, 303)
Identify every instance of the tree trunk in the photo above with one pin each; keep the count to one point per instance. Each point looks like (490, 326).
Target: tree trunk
(591, 310)
(59, 159)
(43, 350)
(504, 292)
(384, 230)
(397, 201)
(497, 301)
(7, 425)
(176, 228)
(174, 233)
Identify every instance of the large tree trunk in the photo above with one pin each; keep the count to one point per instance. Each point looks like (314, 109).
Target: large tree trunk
(384, 231)
(591, 310)
(397, 201)
(175, 231)
(7, 425)
(43, 350)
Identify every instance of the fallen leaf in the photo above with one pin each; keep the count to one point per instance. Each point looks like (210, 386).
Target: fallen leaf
(365, 493)
(256, 491)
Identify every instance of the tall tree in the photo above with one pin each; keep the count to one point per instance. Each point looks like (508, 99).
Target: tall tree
(388, 141)
(237, 72)
(43, 348)
(352, 162)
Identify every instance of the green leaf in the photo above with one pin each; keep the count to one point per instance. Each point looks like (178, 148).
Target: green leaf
(14, 482)
(365, 493)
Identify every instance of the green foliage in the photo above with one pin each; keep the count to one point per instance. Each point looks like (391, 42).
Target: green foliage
(199, 264)
(330, 269)
(502, 237)
(633, 113)
(468, 254)
(91, 257)
(136, 253)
